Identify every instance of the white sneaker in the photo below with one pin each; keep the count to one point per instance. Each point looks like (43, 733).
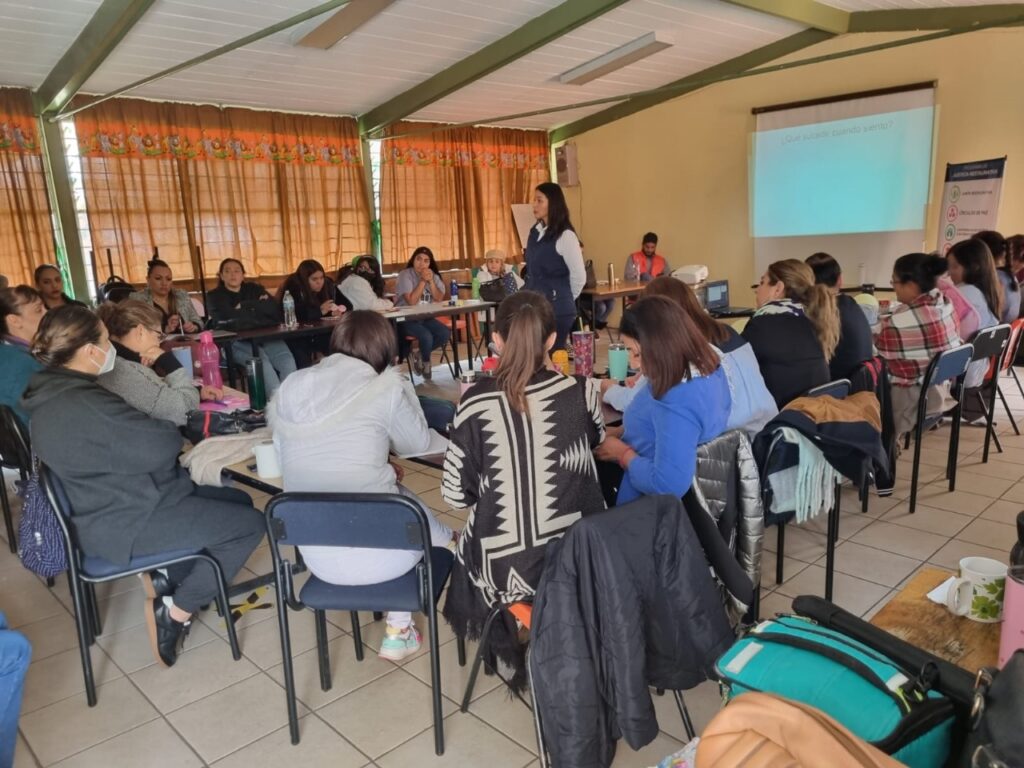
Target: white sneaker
(396, 646)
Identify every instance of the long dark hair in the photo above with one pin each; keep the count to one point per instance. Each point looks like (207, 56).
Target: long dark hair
(999, 247)
(430, 254)
(298, 284)
(367, 336)
(921, 269)
(172, 302)
(376, 280)
(223, 264)
(683, 295)
(525, 321)
(670, 343)
(558, 211)
(980, 271)
(12, 300)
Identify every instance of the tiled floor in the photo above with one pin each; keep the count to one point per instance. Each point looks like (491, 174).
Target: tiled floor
(208, 710)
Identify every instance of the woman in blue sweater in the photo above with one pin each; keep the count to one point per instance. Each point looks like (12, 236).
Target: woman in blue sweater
(684, 401)
(21, 309)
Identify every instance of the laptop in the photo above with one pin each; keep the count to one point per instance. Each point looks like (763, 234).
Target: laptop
(716, 301)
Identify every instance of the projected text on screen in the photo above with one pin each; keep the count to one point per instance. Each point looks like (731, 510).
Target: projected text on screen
(863, 174)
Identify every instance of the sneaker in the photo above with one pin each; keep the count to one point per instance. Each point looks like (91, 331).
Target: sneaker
(166, 635)
(417, 363)
(396, 646)
(427, 368)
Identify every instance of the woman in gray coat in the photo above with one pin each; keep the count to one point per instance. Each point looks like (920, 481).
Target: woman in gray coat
(144, 375)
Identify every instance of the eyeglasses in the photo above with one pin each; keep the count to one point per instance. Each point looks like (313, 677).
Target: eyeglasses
(159, 333)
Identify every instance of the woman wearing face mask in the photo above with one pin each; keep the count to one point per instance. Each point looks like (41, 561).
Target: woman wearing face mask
(120, 469)
(179, 316)
(144, 375)
(21, 309)
(237, 304)
(363, 285)
(50, 285)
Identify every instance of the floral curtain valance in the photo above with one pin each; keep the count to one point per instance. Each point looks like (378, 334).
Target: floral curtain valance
(179, 131)
(19, 130)
(494, 148)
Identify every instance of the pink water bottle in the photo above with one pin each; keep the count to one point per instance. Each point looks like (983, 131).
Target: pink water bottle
(1011, 634)
(209, 360)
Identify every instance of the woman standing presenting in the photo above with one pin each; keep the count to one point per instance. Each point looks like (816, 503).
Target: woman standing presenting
(554, 258)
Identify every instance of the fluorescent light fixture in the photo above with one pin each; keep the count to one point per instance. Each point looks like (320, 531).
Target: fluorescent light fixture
(340, 24)
(623, 56)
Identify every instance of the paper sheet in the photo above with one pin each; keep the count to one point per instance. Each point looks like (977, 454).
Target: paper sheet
(938, 595)
(438, 444)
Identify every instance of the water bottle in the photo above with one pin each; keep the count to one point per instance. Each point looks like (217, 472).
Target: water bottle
(256, 385)
(476, 287)
(454, 293)
(209, 360)
(288, 304)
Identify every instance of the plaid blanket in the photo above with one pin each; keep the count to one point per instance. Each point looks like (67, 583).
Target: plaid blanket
(914, 333)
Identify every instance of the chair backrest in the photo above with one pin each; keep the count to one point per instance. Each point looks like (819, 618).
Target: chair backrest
(14, 441)
(377, 520)
(58, 498)
(838, 389)
(950, 364)
(990, 342)
(1013, 345)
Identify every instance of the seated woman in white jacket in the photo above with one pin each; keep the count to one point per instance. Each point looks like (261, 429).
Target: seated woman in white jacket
(362, 286)
(334, 426)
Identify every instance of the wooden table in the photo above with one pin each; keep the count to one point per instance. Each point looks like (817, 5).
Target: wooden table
(912, 617)
(622, 289)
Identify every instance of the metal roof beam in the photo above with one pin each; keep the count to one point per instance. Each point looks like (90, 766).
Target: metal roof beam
(807, 12)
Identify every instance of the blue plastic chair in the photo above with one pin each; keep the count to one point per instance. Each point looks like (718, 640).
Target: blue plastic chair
(990, 344)
(376, 520)
(950, 365)
(84, 572)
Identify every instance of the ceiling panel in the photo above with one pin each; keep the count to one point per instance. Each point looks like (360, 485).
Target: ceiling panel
(705, 33)
(34, 34)
(408, 42)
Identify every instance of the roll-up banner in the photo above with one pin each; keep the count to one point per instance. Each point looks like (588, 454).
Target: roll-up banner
(970, 200)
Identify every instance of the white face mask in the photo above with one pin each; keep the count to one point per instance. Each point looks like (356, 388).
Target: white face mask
(108, 360)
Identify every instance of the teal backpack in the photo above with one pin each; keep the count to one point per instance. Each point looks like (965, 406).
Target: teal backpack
(862, 689)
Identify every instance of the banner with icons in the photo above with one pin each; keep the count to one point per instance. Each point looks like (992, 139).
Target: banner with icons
(970, 200)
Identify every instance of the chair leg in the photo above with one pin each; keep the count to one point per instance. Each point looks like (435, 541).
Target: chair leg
(830, 544)
(1009, 414)
(322, 651)
(954, 444)
(378, 615)
(224, 604)
(916, 469)
(435, 680)
(685, 714)
(1016, 378)
(8, 515)
(780, 551)
(95, 623)
(460, 646)
(485, 636)
(990, 414)
(286, 658)
(357, 634)
(85, 638)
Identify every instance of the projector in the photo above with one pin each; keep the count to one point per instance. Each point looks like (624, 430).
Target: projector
(691, 274)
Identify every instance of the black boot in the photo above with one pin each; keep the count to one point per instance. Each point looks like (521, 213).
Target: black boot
(165, 634)
(156, 584)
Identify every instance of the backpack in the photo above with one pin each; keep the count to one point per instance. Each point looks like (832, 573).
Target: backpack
(757, 730)
(41, 545)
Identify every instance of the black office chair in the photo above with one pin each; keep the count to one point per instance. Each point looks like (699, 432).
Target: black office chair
(84, 572)
(379, 521)
(14, 454)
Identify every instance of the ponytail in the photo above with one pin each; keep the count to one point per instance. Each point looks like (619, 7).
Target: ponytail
(819, 302)
(525, 321)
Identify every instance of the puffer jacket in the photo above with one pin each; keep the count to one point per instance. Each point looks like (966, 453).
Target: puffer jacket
(626, 602)
(728, 486)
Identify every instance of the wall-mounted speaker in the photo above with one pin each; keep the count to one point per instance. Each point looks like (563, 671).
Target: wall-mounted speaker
(565, 165)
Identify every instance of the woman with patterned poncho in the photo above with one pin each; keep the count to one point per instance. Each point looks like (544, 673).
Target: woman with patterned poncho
(520, 459)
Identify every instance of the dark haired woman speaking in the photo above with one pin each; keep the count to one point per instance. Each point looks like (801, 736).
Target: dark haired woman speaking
(120, 469)
(554, 258)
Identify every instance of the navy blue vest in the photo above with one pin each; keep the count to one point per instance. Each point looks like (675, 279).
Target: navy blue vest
(547, 273)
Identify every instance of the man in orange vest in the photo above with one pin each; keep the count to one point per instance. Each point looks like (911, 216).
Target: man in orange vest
(646, 264)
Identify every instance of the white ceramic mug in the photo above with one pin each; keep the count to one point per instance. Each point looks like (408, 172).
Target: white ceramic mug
(267, 464)
(978, 591)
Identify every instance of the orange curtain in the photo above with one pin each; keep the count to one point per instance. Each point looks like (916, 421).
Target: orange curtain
(267, 188)
(26, 229)
(452, 190)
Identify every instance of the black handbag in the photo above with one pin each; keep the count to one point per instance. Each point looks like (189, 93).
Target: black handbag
(203, 424)
(591, 277)
(996, 739)
(493, 291)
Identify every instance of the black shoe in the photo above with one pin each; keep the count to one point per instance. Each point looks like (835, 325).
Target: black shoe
(156, 584)
(165, 634)
(600, 325)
